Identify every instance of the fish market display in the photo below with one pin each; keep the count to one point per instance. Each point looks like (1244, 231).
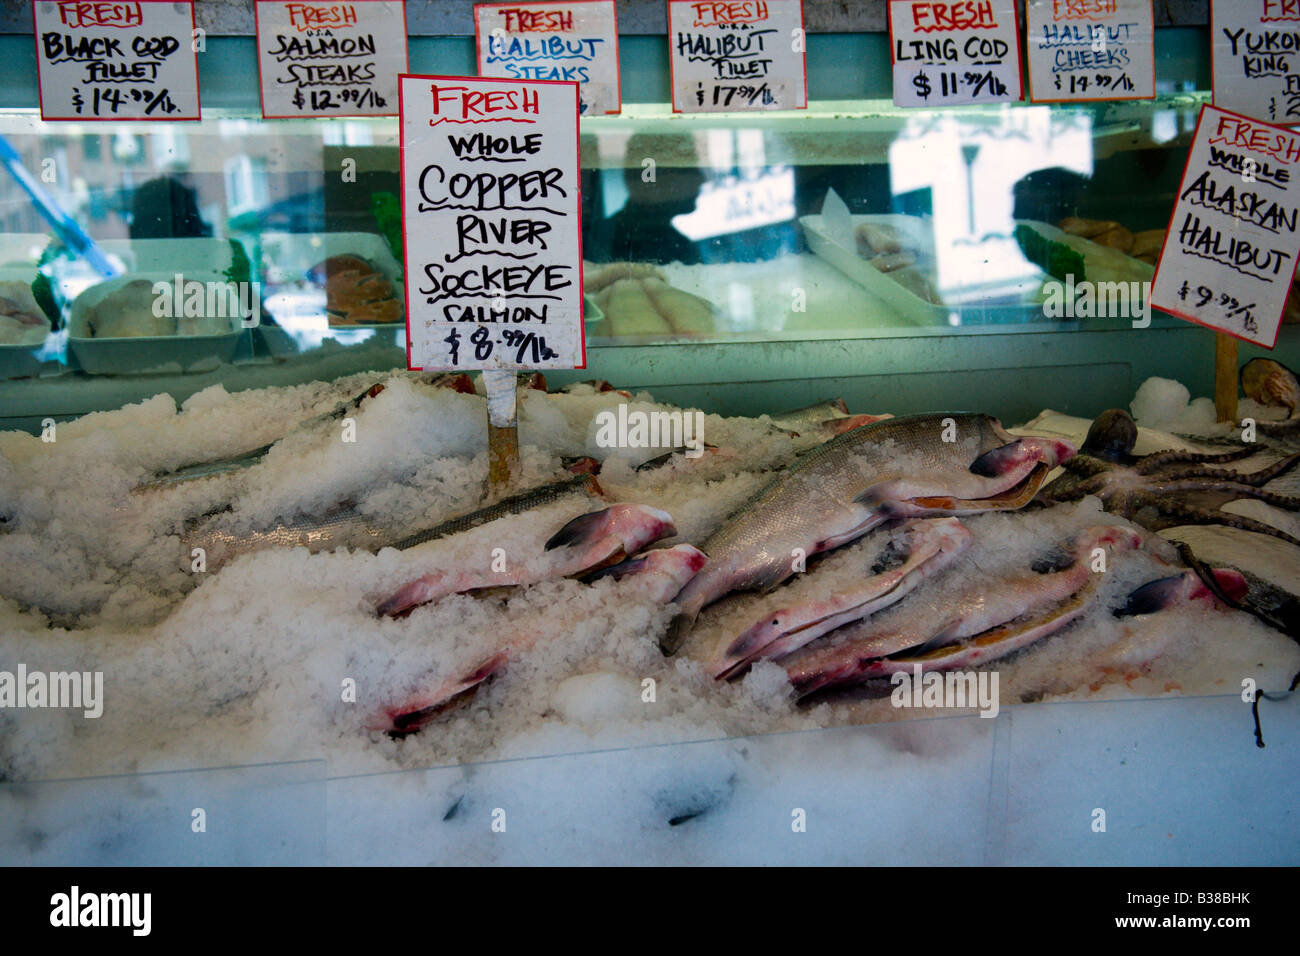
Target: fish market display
(315, 571)
(912, 466)
(904, 261)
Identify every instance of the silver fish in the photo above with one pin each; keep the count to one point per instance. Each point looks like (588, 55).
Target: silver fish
(344, 526)
(210, 469)
(978, 625)
(901, 467)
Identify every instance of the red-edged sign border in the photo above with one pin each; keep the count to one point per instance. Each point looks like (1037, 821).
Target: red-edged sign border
(1020, 63)
(1169, 229)
(618, 61)
(198, 92)
(1096, 99)
(672, 73)
(577, 150)
(257, 39)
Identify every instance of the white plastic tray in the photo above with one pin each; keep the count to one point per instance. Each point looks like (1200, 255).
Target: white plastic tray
(137, 354)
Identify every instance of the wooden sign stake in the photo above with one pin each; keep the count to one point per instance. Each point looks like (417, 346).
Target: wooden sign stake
(1225, 377)
(503, 429)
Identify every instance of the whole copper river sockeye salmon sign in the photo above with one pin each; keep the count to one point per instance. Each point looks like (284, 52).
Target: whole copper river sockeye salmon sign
(116, 61)
(1231, 247)
(490, 213)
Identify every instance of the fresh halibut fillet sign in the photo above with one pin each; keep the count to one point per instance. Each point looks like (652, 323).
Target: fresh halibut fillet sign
(490, 215)
(1255, 58)
(728, 55)
(1231, 247)
(330, 59)
(554, 40)
(1081, 50)
(116, 61)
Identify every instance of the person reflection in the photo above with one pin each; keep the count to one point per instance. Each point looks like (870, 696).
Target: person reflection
(165, 208)
(643, 231)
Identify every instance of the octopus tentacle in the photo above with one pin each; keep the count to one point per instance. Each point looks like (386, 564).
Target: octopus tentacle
(1261, 477)
(1172, 513)
(1149, 463)
(1223, 491)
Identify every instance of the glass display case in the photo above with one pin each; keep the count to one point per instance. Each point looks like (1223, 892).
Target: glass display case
(900, 261)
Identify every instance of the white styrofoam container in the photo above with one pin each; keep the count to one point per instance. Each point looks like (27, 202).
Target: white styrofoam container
(137, 354)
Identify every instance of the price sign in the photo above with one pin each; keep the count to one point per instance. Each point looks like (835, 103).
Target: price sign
(116, 61)
(728, 55)
(954, 54)
(490, 213)
(330, 59)
(554, 40)
(1255, 57)
(1090, 50)
(1231, 247)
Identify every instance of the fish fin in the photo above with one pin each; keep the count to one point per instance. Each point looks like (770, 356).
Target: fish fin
(1154, 596)
(580, 530)
(630, 566)
(679, 628)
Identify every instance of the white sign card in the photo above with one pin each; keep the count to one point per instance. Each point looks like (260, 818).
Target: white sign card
(730, 55)
(1255, 57)
(954, 54)
(491, 223)
(554, 40)
(116, 61)
(330, 59)
(1230, 251)
(1090, 50)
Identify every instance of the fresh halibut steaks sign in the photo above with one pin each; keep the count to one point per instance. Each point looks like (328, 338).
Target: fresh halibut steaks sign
(551, 40)
(954, 54)
(490, 214)
(330, 59)
(123, 61)
(1230, 251)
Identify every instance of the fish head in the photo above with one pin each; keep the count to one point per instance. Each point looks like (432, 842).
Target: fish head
(939, 535)
(1183, 588)
(978, 466)
(631, 526)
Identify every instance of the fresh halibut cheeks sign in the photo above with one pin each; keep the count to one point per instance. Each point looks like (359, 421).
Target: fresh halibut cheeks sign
(330, 59)
(1082, 50)
(554, 40)
(1231, 247)
(490, 215)
(116, 61)
(954, 54)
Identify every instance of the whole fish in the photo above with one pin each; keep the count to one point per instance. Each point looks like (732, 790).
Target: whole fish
(585, 543)
(919, 465)
(247, 459)
(344, 526)
(809, 416)
(1271, 383)
(658, 576)
(979, 624)
(930, 545)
